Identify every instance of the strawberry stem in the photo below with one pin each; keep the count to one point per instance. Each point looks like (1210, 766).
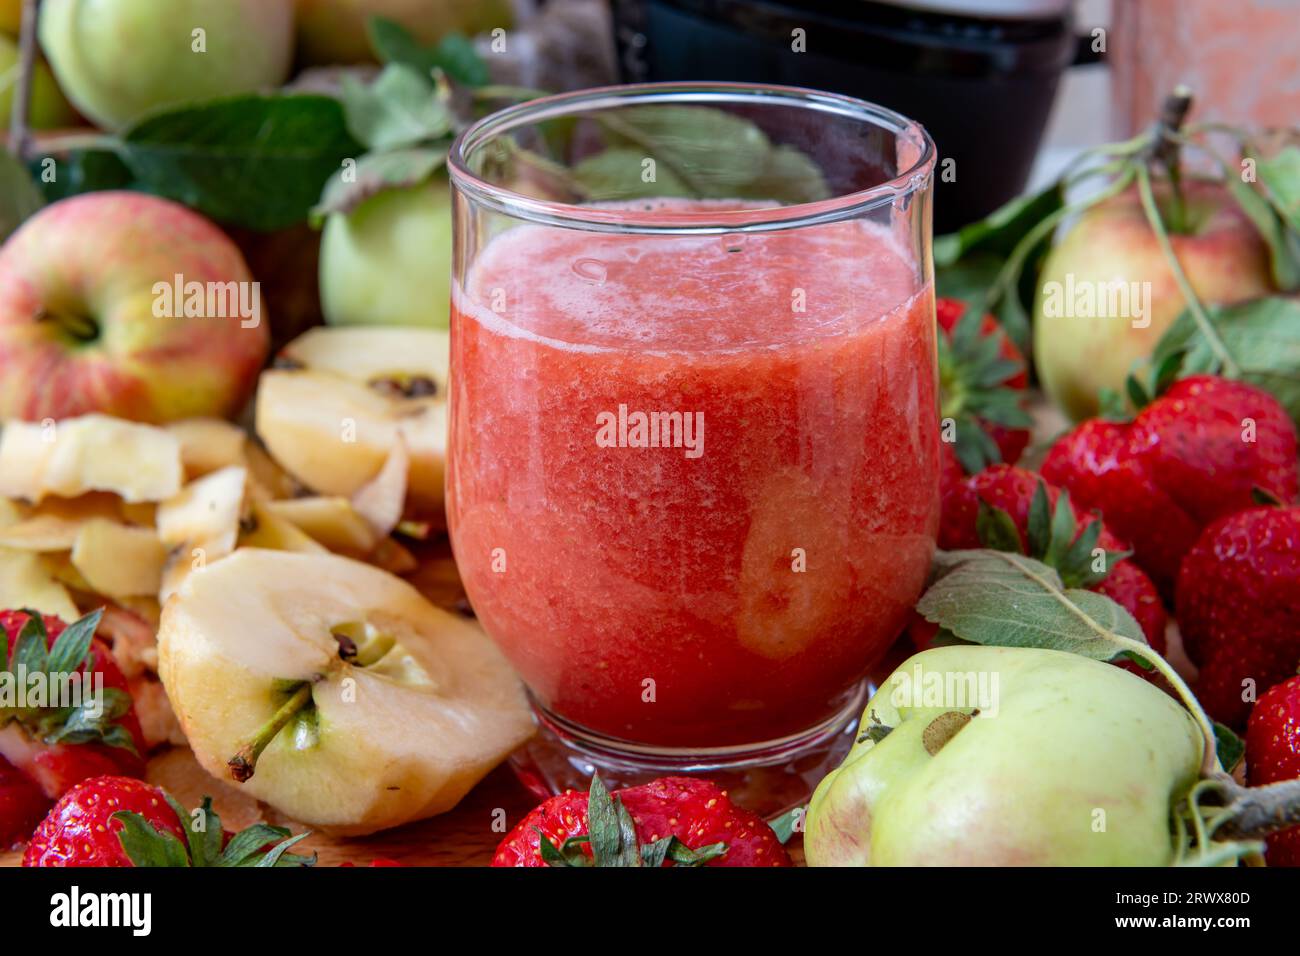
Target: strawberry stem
(244, 763)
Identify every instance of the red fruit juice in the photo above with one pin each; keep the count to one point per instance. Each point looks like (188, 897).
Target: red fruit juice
(726, 576)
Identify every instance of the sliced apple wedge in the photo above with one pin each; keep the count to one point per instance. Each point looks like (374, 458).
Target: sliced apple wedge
(25, 582)
(263, 528)
(332, 522)
(119, 560)
(334, 691)
(206, 513)
(53, 525)
(332, 410)
(90, 453)
(208, 444)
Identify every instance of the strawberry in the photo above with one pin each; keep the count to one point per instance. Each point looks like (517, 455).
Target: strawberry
(96, 733)
(982, 379)
(120, 821)
(677, 820)
(22, 805)
(1273, 755)
(1192, 455)
(1011, 509)
(1239, 607)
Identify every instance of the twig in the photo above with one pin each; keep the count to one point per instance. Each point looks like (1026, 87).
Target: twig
(20, 135)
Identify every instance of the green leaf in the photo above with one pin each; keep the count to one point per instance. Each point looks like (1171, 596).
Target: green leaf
(1272, 228)
(146, 846)
(1262, 336)
(1010, 600)
(1280, 177)
(788, 176)
(401, 108)
(998, 233)
(1230, 747)
(30, 649)
(711, 152)
(71, 647)
(254, 161)
(19, 195)
(1062, 532)
(205, 840)
(783, 826)
(81, 171)
(610, 827)
(454, 55)
(1040, 521)
(374, 173)
(996, 528)
(968, 280)
(278, 856)
(618, 174)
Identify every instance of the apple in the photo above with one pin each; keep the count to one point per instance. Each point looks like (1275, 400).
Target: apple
(1081, 347)
(334, 408)
(49, 110)
(388, 262)
(90, 320)
(334, 31)
(120, 59)
(1070, 762)
(334, 691)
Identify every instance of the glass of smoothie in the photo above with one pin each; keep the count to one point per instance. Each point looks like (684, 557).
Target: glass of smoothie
(692, 482)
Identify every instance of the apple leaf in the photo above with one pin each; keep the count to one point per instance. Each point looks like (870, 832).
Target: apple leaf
(616, 174)
(1000, 231)
(258, 161)
(1010, 600)
(1229, 746)
(1280, 177)
(19, 197)
(1262, 336)
(454, 55)
(1284, 250)
(400, 108)
(81, 171)
(375, 172)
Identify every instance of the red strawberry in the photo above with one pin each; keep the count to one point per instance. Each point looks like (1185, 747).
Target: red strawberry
(985, 510)
(1185, 460)
(982, 379)
(1239, 607)
(120, 821)
(678, 820)
(56, 745)
(1273, 755)
(22, 805)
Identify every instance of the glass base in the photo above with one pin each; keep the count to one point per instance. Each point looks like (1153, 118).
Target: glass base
(768, 778)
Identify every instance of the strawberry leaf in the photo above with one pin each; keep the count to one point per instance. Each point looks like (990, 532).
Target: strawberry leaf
(1010, 600)
(72, 646)
(30, 649)
(146, 846)
(996, 529)
(1040, 520)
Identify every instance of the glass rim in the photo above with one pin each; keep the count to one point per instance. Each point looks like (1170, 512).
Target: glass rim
(761, 219)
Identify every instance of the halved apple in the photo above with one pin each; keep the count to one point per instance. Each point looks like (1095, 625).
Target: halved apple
(90, 453)
(331, 411)
(334, 691)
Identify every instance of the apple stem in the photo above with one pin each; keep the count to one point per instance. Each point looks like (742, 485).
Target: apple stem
(243, 764)
(1166, 150)
(19, 134)
(1258, 811)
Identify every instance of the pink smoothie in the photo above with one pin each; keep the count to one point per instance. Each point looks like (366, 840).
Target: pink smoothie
(725, 576)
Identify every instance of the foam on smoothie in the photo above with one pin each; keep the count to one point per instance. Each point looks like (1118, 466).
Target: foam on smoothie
(597, 291)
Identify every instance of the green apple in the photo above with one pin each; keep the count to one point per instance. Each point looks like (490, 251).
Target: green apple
(120, 59)
(1070, 762)
(388, 262)
(91, 319)
(334, 31)
(49, 110)
(1106, 293)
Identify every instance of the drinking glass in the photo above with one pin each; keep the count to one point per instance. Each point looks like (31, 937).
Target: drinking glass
(693, 447)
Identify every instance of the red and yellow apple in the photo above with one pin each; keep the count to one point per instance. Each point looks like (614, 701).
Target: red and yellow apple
(1107, 294)
(334, 31)
(120, 59)
(90, 322)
